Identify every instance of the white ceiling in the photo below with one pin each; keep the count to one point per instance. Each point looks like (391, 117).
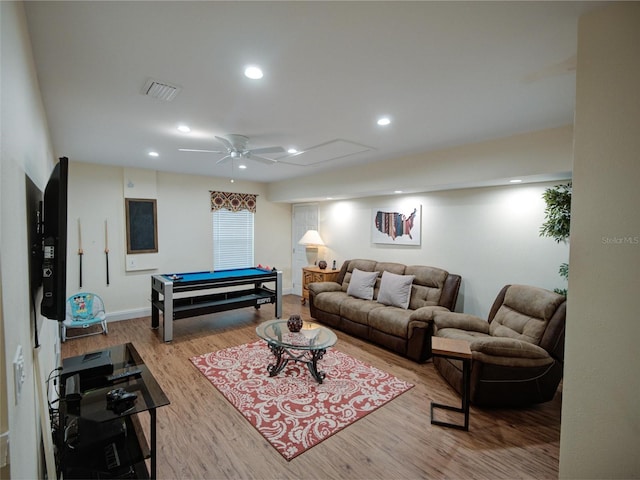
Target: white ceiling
(447, 73)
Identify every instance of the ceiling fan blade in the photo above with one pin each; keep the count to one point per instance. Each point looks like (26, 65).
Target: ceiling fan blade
(202, 151)
(260, 151)
(227, 144)
(268, 161)
(223, 159)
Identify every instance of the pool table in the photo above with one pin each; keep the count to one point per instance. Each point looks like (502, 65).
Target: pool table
(201, 293)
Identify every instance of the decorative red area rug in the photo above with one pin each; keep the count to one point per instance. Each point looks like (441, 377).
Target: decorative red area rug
(291, 410)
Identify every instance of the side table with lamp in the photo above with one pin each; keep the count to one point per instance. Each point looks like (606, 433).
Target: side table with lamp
(314, 273)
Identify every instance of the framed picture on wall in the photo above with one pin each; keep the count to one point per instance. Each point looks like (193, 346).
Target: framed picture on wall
(142, 228)
(396, 226)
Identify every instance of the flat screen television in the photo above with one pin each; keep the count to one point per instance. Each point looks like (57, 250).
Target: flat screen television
(54, 244)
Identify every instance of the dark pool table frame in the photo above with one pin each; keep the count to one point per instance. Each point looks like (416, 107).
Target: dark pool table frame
(206, 296)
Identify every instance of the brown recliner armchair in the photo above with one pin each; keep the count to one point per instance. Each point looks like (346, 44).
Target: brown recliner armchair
(517, 355)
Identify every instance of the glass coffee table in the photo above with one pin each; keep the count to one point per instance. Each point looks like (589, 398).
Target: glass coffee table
(306, 346)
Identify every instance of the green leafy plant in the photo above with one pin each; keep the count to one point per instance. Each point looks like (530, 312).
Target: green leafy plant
(564, 273)
(557, 212)
(558, 221)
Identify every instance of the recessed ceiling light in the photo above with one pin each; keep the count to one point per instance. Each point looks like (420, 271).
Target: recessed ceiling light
(383, 121)
(515, 180)
(253, 72)
(397, 191)
(292, 150)
(242, 167)
(154, 154)
(184, 128)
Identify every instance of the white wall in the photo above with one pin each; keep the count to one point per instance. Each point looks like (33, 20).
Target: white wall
(545, 155)
(489, 236)
(96, 193)
(600, 435)
(26, 149)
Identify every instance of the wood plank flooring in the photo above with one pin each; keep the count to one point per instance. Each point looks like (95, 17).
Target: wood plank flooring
(202, 436)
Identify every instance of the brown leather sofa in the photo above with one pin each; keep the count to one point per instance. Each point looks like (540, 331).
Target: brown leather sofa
(517, 355)
(406, 331)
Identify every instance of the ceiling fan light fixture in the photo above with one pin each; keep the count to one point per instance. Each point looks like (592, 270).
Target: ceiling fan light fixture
(253, 72)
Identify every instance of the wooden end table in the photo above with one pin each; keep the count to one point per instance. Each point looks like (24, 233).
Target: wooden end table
(316, 274)
(459, 350)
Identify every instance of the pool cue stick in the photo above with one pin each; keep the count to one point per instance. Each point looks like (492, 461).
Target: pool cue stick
(80, 252)
(106, 247)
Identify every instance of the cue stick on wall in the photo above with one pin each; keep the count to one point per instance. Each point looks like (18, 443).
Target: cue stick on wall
(80, 249)
(106, 247)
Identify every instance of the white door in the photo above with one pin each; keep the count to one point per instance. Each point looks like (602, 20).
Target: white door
(305, 217)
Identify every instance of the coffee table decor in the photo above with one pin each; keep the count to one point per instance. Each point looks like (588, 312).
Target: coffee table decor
(294, 324)
(292, 411)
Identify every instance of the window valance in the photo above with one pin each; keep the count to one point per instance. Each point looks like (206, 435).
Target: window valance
(233, 202)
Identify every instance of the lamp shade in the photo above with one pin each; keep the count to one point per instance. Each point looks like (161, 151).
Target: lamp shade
(312, 237)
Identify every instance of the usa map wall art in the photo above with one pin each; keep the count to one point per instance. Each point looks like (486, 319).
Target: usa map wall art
(396, 226)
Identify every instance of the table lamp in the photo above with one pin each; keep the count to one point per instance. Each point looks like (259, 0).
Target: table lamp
(311, 240)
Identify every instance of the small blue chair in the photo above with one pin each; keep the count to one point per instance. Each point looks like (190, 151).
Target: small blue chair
(84, 310)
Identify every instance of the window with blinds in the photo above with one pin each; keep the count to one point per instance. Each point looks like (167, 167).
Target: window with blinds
(232, 239)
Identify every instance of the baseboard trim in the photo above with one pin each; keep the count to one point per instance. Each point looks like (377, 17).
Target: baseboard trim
(128, 314)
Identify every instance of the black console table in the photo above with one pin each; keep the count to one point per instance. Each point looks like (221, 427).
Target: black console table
(97, 442)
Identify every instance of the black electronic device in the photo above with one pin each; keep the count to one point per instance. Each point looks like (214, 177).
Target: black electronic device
(119, 400)
(34, 234)
(97, 447)
(54, 244)
(122, 376)
(34, 237)
(72, 394)
(88, 367)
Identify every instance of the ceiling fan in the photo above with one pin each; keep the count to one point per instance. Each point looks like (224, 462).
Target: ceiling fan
(236, 147)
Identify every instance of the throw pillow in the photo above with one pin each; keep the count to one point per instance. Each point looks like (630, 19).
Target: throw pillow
(361, 284)
(395, 290)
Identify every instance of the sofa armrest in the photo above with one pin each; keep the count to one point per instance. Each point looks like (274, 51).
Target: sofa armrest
(461, 321)
(423, 317)
(450, 290)
(509, 352)
(319, 287)
(426, 314)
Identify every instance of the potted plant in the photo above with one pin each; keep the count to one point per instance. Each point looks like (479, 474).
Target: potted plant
(557, 221)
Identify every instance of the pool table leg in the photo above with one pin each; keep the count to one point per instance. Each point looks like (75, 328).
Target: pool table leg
(279, 295)
(167, 317)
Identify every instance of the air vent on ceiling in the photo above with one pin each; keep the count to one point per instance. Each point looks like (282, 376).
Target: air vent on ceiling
(161, 90)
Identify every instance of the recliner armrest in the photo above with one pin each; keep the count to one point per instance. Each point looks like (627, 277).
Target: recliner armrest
(509, 352)
(461, 321)
(319, 287)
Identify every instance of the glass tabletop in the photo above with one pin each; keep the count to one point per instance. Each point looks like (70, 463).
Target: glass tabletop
(125, 357)
(311, 337)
